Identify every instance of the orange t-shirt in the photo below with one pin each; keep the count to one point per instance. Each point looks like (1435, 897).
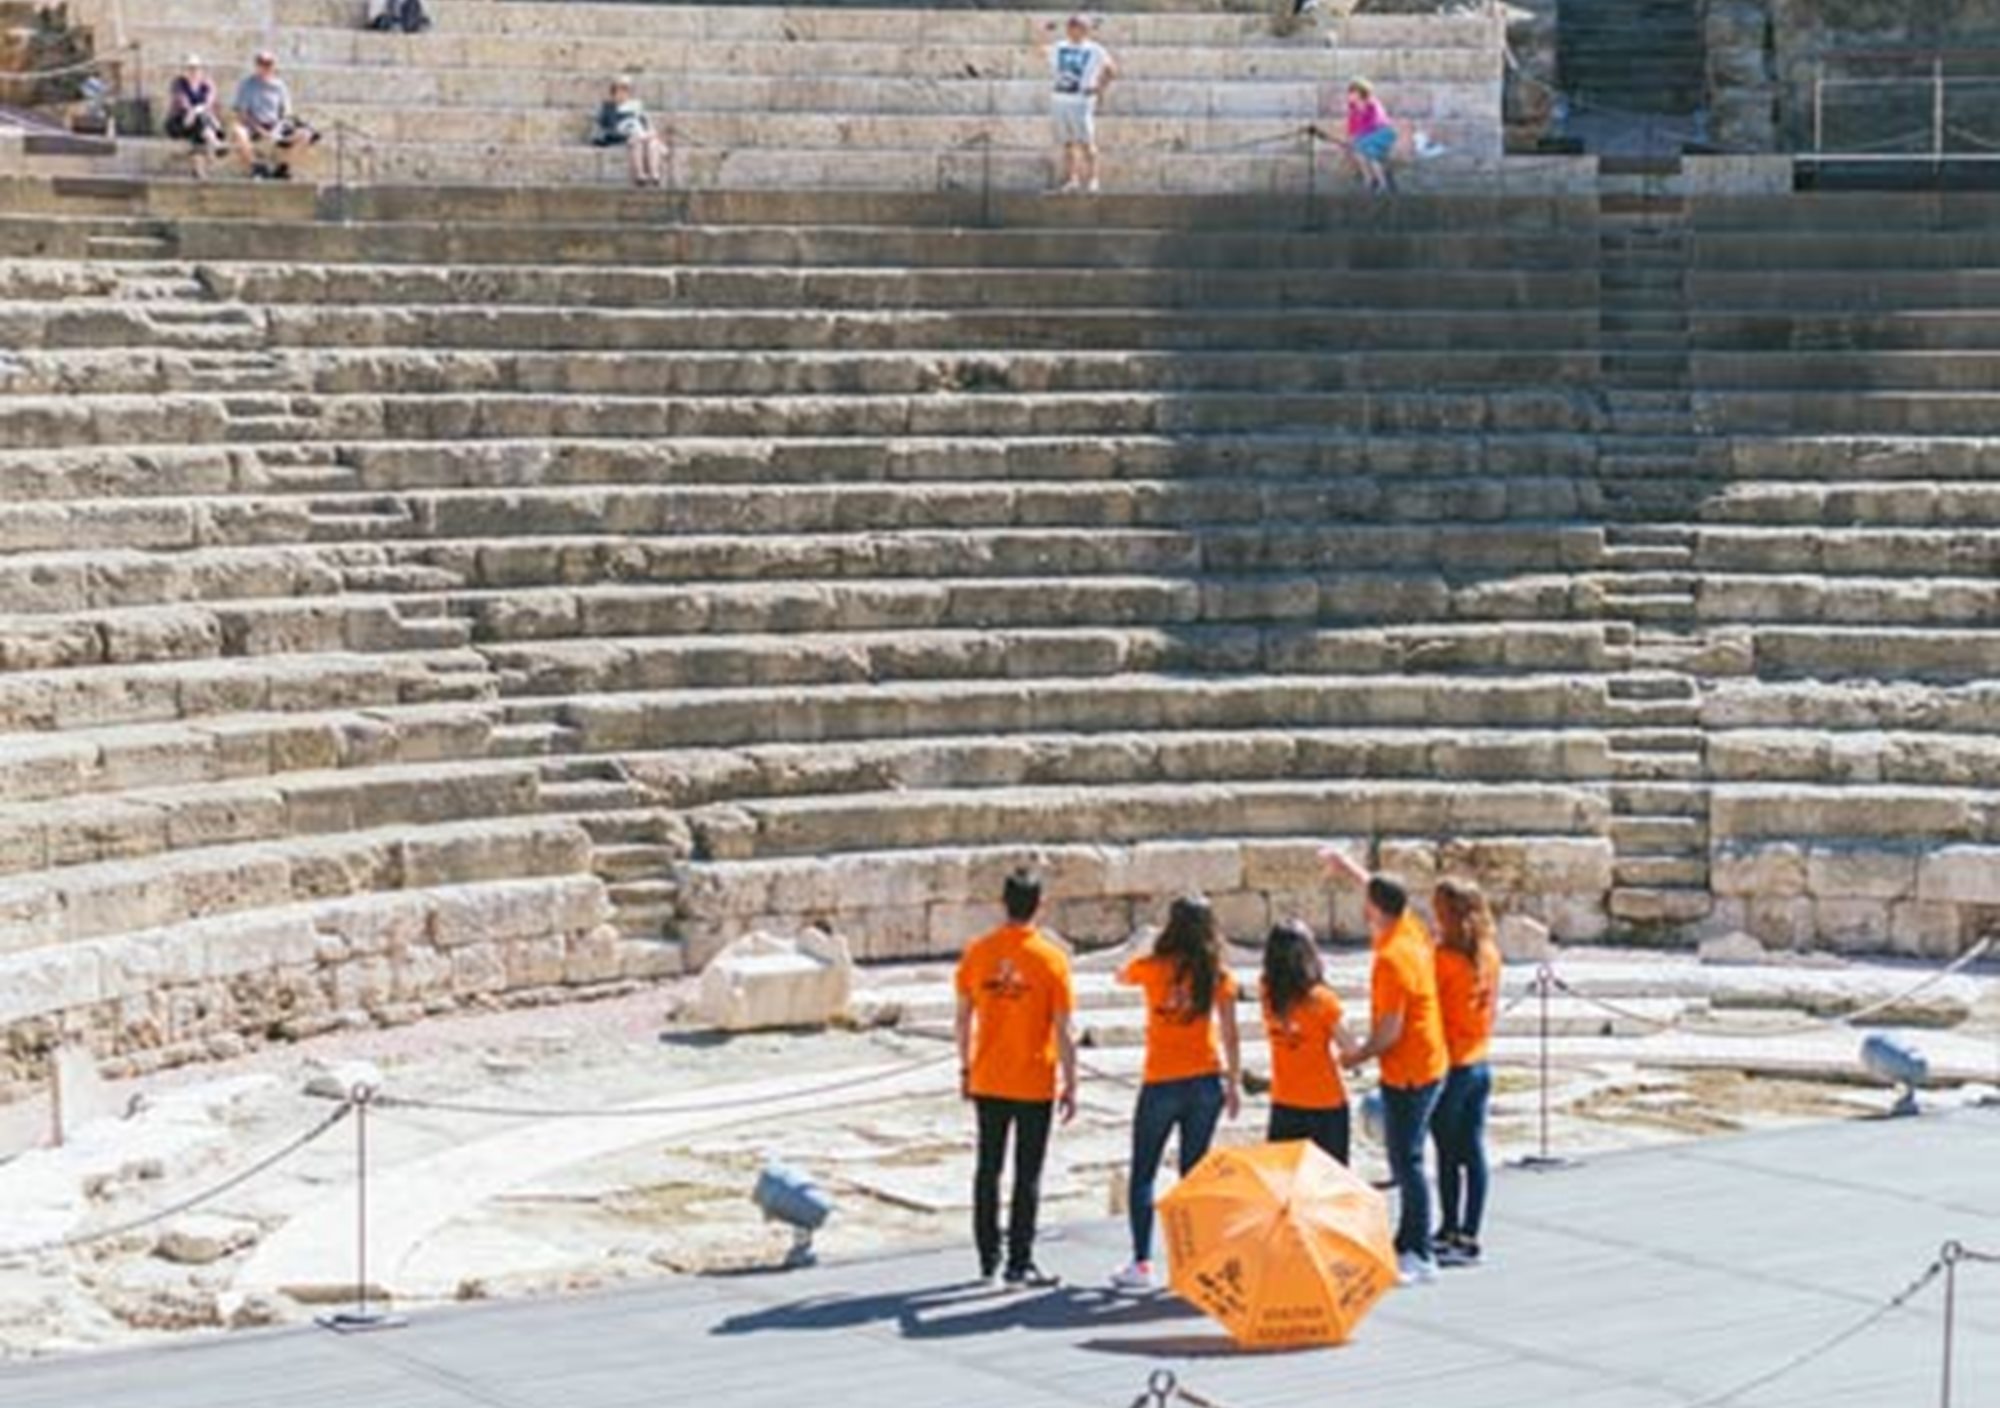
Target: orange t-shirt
(1465, 994)
(1405, 981)
(1305, 1071)
(1179, 1044)
(1018, 983)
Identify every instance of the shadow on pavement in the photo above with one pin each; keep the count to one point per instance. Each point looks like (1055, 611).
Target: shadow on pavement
(959, 1311)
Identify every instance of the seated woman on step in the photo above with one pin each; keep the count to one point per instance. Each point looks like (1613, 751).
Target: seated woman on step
(622, 121)
(192, 116)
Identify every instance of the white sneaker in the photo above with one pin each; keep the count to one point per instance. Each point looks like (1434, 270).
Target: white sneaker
(1137, 1277)
(1414, 1270)
(1094, 189)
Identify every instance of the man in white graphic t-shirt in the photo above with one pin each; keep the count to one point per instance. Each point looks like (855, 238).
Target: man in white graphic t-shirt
(1083, 69)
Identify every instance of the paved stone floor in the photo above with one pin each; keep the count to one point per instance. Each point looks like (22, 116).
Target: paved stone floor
(1655, 1278)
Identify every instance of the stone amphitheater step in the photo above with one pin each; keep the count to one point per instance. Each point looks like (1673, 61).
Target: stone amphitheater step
(820, 714)
(95, 900)
(205, 987)
(177, 418)
(700, 777)
(637, 372)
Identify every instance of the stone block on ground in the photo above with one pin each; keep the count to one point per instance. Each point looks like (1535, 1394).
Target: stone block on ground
(1525, 940)
(763, 981)
(199, 1239)
(1733, 949)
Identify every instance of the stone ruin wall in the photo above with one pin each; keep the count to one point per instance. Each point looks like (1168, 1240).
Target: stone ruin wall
(1762, 56)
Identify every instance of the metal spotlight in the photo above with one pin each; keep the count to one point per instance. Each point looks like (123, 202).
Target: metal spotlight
(787, 1196)
(1899, 1064)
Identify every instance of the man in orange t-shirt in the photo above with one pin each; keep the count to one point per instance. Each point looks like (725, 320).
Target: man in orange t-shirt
(1014, 1040)
(1407, 1035)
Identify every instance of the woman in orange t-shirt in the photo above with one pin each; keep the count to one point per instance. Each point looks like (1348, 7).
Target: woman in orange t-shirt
(1302, 1020)
(1468, 980)
(1190, 1079)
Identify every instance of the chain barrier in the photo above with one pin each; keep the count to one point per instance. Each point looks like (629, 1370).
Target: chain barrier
(72, 1241)
(386, 1101)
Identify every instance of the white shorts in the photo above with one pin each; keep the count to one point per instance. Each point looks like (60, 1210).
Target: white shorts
(1076, 119)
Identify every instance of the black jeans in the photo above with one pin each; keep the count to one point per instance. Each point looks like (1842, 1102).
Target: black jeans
(1194, 1107)
(1028, 1122)
(1330, 1129)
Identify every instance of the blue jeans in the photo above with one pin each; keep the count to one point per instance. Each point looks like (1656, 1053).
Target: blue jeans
(1459, 1129)
(1406, 1121)
(1194, 1107)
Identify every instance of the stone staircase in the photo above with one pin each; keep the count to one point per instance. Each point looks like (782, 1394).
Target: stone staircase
(1632, 57)
(609, 580)
(1650, 457)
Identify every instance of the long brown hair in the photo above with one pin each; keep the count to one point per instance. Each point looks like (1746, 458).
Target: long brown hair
(1291, 966)
(1190, 942)
(1464, 919)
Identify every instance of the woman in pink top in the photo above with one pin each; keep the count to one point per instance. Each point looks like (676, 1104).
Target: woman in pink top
(1370, 138)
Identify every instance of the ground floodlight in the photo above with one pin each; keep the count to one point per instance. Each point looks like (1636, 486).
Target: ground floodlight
(1896, 1063)
(787, 1196)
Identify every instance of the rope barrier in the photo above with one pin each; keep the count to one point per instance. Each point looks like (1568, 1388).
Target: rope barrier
(1164, 1387)
(89, 65)
(1799, 1027)
(1832, 1342)
(686, 1107)
(73, 1240)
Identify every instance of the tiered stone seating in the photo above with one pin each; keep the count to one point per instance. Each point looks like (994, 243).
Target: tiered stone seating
(1846, 562)
(813, 559)
(766, 98)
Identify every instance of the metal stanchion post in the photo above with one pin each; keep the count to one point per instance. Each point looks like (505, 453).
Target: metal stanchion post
(1542, 1160)
(1312, 177)
(1950, 1256)
(362, 1317)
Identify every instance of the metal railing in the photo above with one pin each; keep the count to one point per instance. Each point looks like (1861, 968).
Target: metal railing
(1925, 116)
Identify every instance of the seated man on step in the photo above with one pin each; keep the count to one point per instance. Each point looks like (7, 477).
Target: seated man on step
(268, 136)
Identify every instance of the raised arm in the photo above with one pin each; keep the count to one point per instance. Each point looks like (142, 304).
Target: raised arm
(1342, 865)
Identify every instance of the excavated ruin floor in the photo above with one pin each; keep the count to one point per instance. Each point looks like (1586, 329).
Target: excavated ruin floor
(473, 1204)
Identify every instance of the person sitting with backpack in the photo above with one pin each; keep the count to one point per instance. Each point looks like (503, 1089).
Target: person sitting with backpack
(622, 122)
(192, 116)
(409, 16)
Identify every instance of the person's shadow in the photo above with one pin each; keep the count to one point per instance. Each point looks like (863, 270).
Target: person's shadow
(963, 1310)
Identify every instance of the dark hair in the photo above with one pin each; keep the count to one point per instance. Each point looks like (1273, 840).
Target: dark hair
(1291, 966)
(1388, 895)
(1192, 945)
(1022, 894)
(1464, 918)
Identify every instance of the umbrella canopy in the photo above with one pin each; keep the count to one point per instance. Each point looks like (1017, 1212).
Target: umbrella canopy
(1279, 1243)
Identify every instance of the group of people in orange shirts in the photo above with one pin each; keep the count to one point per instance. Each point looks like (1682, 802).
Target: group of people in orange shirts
(1433, 1003)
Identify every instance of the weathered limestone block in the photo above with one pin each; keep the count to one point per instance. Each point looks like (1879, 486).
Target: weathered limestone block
(1775, 871)
(1860, 873)
(1960, 875)
(201, 1239)
(1175, 867)
(764, 981)
(1738, 949)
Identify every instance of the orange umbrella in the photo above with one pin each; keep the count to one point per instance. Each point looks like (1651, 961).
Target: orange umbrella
(1279, 1244)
